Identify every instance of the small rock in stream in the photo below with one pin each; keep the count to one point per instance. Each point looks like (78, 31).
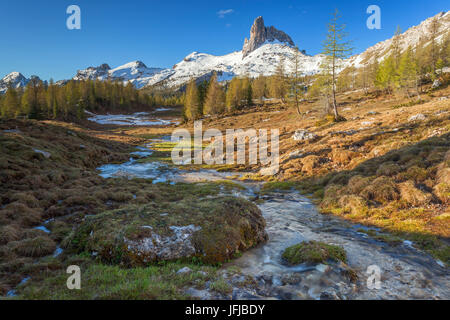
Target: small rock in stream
(184, 270)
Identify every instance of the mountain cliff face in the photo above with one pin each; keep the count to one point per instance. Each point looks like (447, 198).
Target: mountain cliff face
(101, 72)
(259, 35)
(260, 54)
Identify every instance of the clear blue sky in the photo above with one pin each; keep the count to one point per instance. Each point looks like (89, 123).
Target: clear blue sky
(160, 33)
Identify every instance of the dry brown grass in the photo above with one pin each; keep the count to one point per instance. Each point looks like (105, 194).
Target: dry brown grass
(35, 247)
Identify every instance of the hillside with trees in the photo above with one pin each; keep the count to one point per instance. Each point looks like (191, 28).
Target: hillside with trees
(39, 100)
(404, 73)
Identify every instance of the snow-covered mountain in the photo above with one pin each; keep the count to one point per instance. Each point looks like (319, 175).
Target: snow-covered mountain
(410, 38)
(263, 60)
(14, 79)
(135, 72)
(261, 54)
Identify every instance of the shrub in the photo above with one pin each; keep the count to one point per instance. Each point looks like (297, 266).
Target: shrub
(356, 184)
(412, 195)
(442, 191)
(415, 173)
(21, 214)
(381, 190)
(9, 233)
(331, 195)
(342, 156)
(388, 169)
(353, 204)
(36, 247)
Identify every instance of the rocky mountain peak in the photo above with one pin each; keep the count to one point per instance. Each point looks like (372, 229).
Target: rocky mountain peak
(93, 73)
(14, 79)
(140, 64)
(104, 66)
(260, 34)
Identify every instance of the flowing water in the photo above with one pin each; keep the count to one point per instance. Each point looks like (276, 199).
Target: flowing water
(405, 272)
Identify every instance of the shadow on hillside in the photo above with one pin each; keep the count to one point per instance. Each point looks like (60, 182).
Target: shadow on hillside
(373, 193)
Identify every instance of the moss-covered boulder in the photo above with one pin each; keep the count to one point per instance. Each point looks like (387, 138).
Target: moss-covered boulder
(212, 230)
(313, 252)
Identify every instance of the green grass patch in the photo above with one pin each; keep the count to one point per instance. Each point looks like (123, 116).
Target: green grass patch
(313, 252)
(101, 281)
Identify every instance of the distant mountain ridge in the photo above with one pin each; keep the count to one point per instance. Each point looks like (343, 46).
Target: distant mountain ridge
(14, 79)
(261, 54)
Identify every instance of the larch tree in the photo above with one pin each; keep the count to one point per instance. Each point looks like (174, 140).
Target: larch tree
(434, 50)
(336, 49)
(192, 103)
(10, 103)
(386, 74)
(215, 97)
(407, 71)
(259, 88)
(296, 84)
(277, 83)
(202, 89)
(234, 94)
(396, 49)
(247, 94)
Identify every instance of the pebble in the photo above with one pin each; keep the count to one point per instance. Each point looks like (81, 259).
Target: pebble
(184, 270)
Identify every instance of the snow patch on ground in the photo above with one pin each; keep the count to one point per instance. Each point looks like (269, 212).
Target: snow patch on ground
(135, 119)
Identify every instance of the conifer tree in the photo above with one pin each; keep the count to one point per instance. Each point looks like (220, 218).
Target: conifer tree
(335, 49)
(10, 103)
(434, 54)
(386, 74)
(396, 48)
(407, 71)
(259, 87)
(247, 94)
(296, 87)
(192, 103)
(202, 89)
(215, 97)
(278, 83)
(234, 94)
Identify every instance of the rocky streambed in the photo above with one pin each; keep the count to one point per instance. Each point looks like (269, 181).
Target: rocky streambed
(374, 269)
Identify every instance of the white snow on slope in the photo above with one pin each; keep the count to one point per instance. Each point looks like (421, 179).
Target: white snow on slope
(14, 79)
(410, 38)
(135, 72)
(263, 60)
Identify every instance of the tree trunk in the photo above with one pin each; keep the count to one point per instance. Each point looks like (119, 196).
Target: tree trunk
(298, 110)
(336, 115)
(418, 90)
